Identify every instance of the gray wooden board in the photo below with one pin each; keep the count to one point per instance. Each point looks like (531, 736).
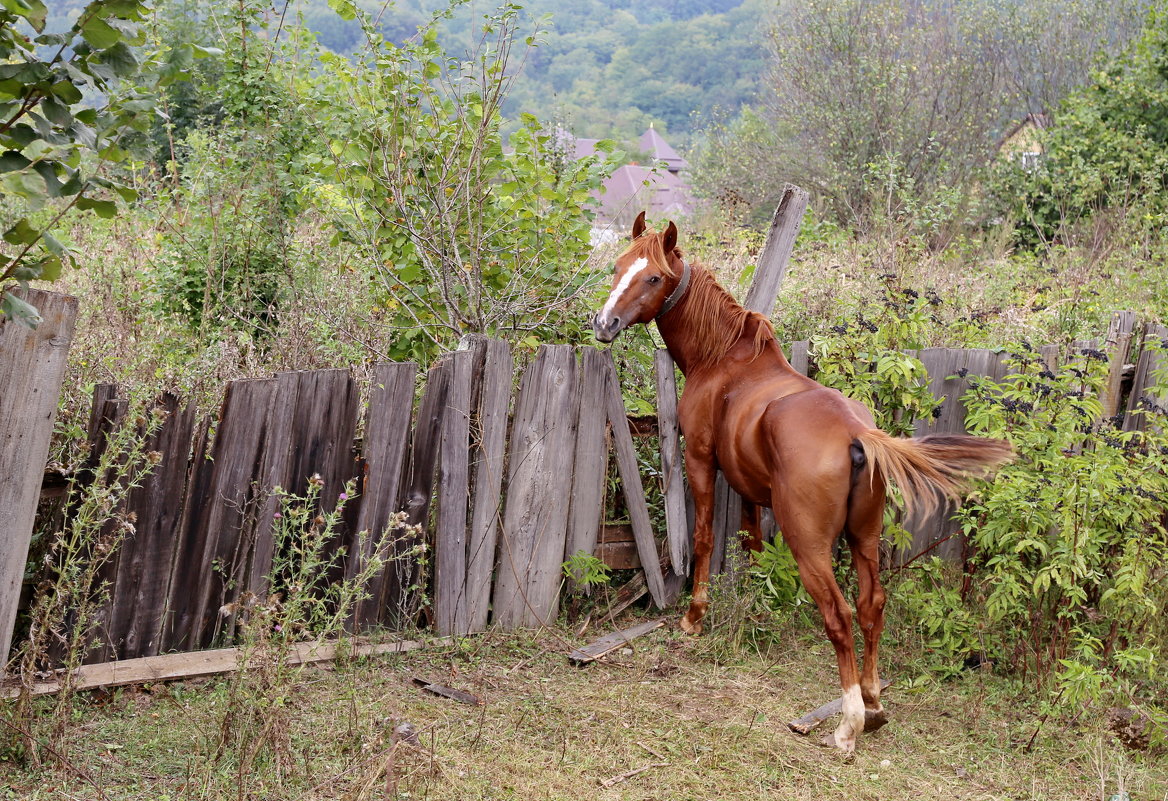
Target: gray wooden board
(799, 356)
(32, 367)
(311, 423)
(488, 457)
(807, 723)
(626, 461)
(183, 591)
(610, 642)
(1152, 361)
(450, 536)
(236, 453)
(401, 593)
(588, 477)
(673, 480)
(175, 667)
(1118, 348)
(387, 434)
(533, 537)
(727, 521)
(944, 366)
(780, 242)
(110, 421)
(138, 596)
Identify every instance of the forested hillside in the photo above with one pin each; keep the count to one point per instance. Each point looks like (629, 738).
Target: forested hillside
(605, 68)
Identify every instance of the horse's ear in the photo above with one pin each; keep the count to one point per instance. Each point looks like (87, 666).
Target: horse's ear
(669, 238)
(639, 225)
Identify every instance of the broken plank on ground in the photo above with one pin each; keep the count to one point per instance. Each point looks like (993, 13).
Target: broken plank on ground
(807, 723)
(171, 667)
(448, 692)
(610, 642)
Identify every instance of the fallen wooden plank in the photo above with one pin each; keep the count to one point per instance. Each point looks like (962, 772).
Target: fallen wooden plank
(448, 692)
(610, 642)
(171, 667)
(807, 723)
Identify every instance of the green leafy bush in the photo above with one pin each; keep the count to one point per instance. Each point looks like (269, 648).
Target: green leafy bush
(1069, 540)
(1106, 152)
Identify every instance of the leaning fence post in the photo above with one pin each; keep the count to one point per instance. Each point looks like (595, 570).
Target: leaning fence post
(32, 366)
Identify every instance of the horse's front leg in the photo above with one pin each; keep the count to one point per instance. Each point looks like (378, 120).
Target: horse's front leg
(699, 466)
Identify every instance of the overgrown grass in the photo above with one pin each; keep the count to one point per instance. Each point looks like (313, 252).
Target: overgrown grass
(713, 713)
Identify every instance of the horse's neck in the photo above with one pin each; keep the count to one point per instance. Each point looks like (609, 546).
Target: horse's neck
(678, 327)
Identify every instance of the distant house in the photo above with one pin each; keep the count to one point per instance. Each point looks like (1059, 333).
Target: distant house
(632, 188)
(1022, 142)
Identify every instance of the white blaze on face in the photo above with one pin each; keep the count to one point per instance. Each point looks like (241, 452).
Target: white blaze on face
(622, 285)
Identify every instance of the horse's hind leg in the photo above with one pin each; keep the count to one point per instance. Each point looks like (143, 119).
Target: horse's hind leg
(812, 551)
(751, 527)
(865, 523)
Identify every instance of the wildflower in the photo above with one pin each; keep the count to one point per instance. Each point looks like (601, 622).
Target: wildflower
(344, 496)
(277, 516)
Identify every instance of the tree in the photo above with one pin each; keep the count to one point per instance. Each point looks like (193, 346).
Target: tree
(1107, 151)
(886, 107)
(61, 121)
(457, 233)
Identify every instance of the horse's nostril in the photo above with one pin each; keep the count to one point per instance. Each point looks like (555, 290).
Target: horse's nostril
(614, 323)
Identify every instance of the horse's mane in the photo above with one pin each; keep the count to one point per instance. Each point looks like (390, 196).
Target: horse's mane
(714, 320)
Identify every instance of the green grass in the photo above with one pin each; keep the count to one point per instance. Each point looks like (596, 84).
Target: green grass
(714, 712)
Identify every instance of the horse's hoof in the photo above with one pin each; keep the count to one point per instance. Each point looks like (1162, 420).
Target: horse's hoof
(848, 750)
(691, 628)
(874, 719)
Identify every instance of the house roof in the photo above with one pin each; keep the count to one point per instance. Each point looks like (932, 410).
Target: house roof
(633, 188)
(652, 143)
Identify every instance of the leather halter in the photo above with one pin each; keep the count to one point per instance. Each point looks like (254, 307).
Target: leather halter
(676, 294)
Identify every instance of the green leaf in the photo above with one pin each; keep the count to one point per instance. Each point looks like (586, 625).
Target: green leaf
(21, 234)
(13, 308)
(102, 208)
(121, 59)
(56, 112)
(345, 9)
(66, 91)
(12, 160)
(98, 33)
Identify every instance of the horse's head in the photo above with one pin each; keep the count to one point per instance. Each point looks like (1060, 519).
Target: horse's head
(650, 276)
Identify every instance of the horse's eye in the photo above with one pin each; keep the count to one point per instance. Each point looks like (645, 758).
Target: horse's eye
(654, 279)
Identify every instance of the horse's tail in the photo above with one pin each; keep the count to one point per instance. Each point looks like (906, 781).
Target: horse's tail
(932, 467)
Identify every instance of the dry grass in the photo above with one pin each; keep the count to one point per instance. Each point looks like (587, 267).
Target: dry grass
(711, 727)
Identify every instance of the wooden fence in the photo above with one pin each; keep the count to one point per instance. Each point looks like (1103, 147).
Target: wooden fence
(508, 484)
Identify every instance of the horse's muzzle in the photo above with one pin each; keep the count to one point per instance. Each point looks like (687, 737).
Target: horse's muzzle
(606, 329)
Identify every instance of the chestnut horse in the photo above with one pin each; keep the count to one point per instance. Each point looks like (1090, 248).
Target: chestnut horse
(785, 441)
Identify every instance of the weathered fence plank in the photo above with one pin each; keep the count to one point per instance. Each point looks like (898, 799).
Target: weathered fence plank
(311, 424)
(488, 458)
(32, 367)
(218, 550)
(676, 520)
(535, 519)
(182, 588)
(626, 461)
(798, 356)
(401, 590)
(776, 253)
(450, 537)
(1118, 348)
(138, 595)
(387, 436)
(950, 371)
(586, 509)
(1151, 362)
